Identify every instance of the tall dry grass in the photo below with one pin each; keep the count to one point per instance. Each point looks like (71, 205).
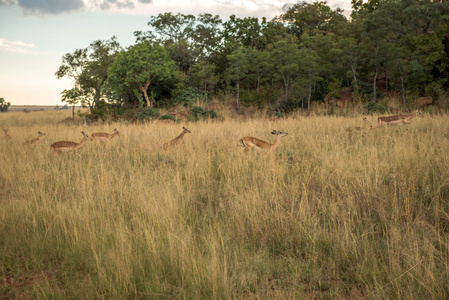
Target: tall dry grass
(325, 216)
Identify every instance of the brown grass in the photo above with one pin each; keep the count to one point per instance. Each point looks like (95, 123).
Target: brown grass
(325, 216)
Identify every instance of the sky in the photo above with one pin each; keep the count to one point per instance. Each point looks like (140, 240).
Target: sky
(36, 34)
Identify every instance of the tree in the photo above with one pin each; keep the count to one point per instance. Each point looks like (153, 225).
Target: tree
(136, 68)
(238, 68)
(204, 73)
(309, 65)
(259, 64)
(285, 56)
(189, 39)
(88, 68)
(4, 105)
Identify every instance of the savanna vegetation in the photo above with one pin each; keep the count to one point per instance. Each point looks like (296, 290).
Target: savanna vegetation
(308, 55)
(329, 214)
(326, 215)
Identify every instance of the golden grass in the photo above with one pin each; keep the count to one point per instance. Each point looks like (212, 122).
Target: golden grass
(325, 216)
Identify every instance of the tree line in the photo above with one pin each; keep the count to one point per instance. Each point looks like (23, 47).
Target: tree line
(289, 62)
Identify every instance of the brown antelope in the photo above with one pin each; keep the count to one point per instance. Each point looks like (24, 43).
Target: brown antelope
(7, 136)
(102, 136)
(423, 101)
(36, 140)
(397, 119)
(71, 147)
(251, 143)
(176, 141)
(362, 130)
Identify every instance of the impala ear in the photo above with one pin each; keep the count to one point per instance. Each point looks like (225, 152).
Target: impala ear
(274, 132)
(82, 132)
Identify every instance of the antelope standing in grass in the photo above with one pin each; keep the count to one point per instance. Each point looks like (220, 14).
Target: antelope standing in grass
(7, 136)
(397, 119)
(70, 147)
(251, 143)
(36, 140)
(176, 141)
(102, 136)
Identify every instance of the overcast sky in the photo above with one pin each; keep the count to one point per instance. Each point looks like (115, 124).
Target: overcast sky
(35, 34)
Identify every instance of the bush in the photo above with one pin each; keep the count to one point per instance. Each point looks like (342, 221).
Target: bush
(197, 113)
(4, 105)
(374, 107)
(191, 95)
(168, 117)
(147, 114)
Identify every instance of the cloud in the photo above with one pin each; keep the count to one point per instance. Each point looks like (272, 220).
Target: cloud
(49, 7)
(19, 47)
(55, 7)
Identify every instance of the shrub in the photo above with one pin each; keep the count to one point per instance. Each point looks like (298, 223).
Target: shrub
(147, 114)
(168, 117)
(374, 107)
(4, 105)
(197, 113)
(191, 95)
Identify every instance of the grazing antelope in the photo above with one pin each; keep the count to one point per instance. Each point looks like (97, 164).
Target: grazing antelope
(176, 141)
(6, 134)
(36, 140)
(64, 146)
(102, 136)
(250, 142)
(398, 119)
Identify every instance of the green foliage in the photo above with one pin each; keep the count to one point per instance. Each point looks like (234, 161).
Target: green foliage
(191, 95)
(334, 88)
(374, 108)
(302, 55)
(197, 113)
(168, 117)
(4, 105)
(134, 70)
(148, 114)
(88, 68)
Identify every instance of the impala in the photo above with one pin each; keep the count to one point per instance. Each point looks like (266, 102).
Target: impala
(398, 119)
(102, 136)
(64, 146)
(250, 142)
(350, 129)
(6, 134)
(176, 141)
(36, 140)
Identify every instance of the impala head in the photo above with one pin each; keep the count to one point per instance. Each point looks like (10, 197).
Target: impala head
(279, 133)
(419, 113)
(186, 130)
(86, 136)
(116, 131)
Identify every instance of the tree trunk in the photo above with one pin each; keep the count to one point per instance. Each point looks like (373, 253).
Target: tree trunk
(374, 85)
(73, 112)
(238, 94)
(309, 96)
(402, 88)
(354, 77)
(258, 83)
(145, 94)
(286, 80)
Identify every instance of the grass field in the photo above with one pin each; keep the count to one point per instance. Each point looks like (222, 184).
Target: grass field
(325, 216)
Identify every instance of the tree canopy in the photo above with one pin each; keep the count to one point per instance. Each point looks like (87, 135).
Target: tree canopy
(387, 46)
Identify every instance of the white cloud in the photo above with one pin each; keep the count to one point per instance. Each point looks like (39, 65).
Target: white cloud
(223, 8)
(19, 47)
